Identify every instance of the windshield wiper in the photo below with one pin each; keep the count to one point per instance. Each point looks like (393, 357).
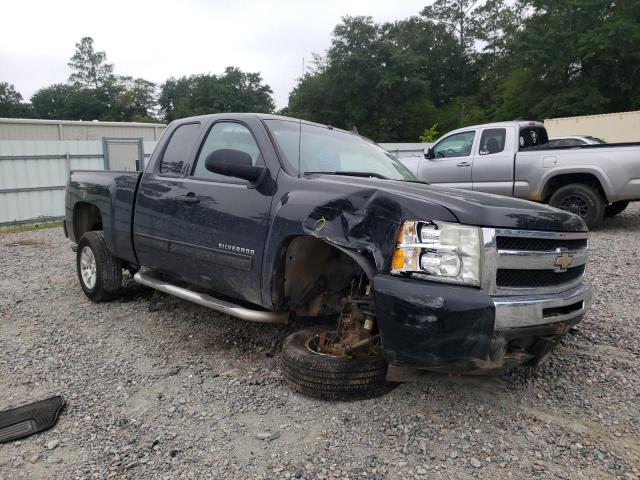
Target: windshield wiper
(350, 174)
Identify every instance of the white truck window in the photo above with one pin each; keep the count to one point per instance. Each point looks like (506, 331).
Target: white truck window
(457, 145)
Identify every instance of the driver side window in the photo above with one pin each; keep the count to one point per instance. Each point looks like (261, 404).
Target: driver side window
(457, 145)
(226, 135)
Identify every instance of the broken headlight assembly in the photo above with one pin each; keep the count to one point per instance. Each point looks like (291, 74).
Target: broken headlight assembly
(440, 251)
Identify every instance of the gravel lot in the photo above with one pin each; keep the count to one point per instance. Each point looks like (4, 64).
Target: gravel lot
(159, 388)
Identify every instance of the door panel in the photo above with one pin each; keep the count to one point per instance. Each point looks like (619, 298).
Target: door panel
(156, 211)
(493, 162)
(208, 230)
(452, 162)
(223, 220)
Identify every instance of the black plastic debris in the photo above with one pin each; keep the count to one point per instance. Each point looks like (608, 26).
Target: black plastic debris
(29, 419)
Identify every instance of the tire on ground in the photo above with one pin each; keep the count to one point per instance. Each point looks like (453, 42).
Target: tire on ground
(615, 208)
(581, 199)
(108, 268)
(331, 377)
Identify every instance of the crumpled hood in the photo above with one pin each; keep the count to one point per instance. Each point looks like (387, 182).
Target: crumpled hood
(476, 208)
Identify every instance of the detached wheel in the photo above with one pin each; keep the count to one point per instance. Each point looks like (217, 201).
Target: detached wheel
(99, 272)
(331, 377)
(581, 199)
(615, 208)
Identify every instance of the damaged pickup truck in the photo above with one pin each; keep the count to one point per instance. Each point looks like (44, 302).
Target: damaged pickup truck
(268, 218)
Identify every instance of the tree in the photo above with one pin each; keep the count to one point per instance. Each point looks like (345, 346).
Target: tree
(67, 102)
(594, 71)
(90, 68)
(388, 79)
(458, 17)
(11, 105)
(94, 92)
(233, 91)
(134, 99)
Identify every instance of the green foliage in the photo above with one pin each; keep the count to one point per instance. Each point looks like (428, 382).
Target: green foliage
(457, 63)
(90, 68)
(463, 62)
(429, 135)
(11, 104)
(233, 91)
(94, 92)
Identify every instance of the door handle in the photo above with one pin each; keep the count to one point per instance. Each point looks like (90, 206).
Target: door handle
(464, 164)
(188, 198)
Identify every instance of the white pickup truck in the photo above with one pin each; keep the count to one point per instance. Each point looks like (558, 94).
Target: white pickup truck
(514, 159)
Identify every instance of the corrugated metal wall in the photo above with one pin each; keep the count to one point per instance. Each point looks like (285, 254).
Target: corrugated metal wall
(33, 175)
(27, 129)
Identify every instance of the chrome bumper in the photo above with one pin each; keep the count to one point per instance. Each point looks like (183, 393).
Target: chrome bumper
(530, 310)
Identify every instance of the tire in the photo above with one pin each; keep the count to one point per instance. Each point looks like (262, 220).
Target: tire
(581, 199)
(615, 208)
(331, 377)
(107, 269)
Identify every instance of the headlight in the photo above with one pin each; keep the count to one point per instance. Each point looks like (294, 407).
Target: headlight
(446, 252)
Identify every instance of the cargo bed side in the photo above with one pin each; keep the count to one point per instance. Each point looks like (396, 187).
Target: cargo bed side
(103, 200)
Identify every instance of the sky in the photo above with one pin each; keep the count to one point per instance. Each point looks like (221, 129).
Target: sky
(159, 39)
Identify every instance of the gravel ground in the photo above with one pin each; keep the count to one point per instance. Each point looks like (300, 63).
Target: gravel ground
(159, 388)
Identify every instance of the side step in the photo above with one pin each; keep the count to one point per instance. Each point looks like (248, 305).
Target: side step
(261, 316)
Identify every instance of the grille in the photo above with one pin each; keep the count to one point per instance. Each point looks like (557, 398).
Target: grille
(539, 244)
(514, 278)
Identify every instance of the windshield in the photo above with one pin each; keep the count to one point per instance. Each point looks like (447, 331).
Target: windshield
(317, 149)
(595, 139)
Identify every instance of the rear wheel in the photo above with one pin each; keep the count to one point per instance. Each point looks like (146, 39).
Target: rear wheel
(99, 272)
(333, 376)
(615, 208)
(583, 200)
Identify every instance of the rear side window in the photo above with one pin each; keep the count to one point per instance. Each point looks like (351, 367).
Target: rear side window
(180, 146)
(492, 141)
(532, 137)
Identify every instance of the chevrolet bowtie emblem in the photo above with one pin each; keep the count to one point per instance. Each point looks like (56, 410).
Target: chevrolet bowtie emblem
(563, 262)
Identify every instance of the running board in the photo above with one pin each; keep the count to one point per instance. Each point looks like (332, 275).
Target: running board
(261, 316)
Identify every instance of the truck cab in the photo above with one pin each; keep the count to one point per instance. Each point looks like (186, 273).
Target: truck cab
(516, 159)
(480, 157)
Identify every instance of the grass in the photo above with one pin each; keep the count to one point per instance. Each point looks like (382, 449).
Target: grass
(27, 227)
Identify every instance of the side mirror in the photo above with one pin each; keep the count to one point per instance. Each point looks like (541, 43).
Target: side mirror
(234, 163)
(428, 153)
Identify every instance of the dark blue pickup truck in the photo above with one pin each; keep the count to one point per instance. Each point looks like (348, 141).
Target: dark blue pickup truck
(270, 219)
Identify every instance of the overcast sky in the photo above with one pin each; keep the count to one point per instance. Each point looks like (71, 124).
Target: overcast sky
(158, 39)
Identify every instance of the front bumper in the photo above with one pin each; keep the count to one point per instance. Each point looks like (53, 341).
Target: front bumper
(430, 325)
(530, 310)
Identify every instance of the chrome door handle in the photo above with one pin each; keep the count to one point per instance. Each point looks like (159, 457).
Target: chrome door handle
(464, 164)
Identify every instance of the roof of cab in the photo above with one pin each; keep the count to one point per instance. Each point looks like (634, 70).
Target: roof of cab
(513, 123)
(261, 116)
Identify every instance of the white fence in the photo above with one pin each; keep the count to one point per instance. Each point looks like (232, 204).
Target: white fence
(33, 176)
(404, 150)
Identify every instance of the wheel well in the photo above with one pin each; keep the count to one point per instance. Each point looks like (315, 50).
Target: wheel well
(311, 276)
(86, 218)
(565, 179)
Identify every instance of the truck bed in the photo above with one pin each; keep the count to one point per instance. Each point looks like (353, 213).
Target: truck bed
(113, 193)
(615, 165)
